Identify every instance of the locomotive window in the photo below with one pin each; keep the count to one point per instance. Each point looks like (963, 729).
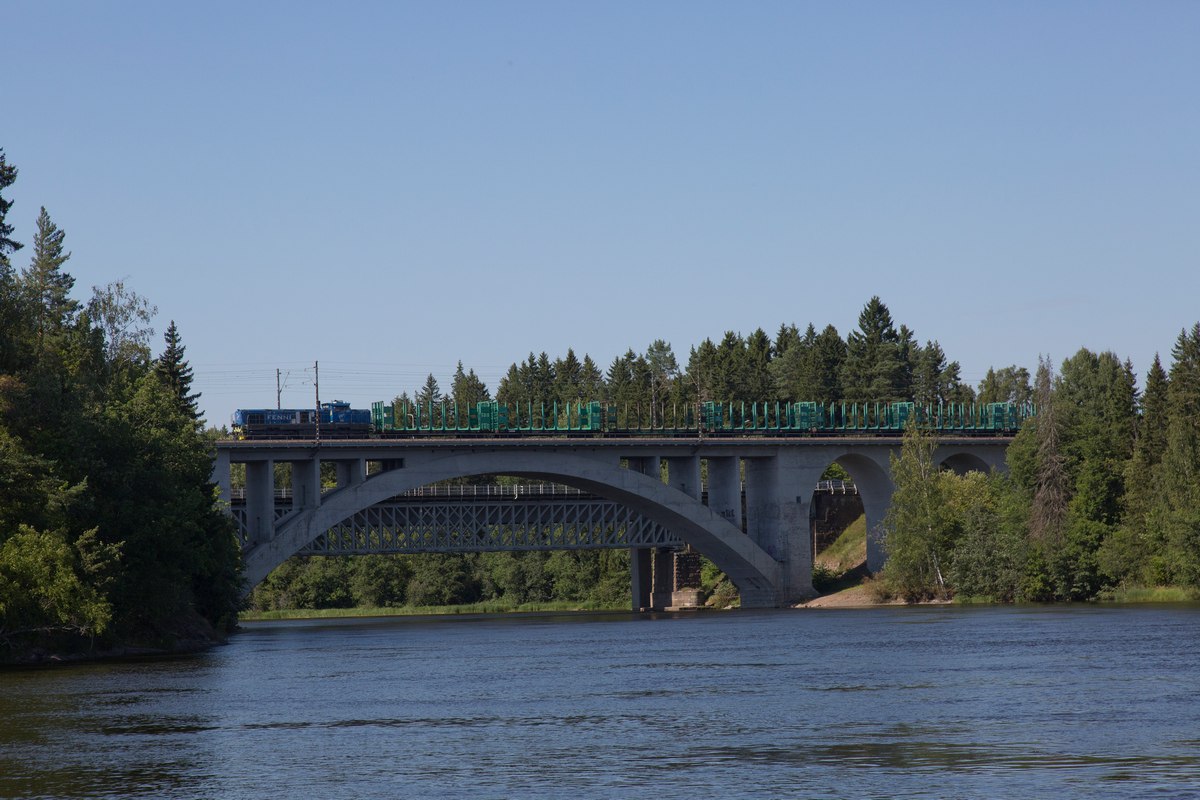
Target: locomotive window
(256, 419)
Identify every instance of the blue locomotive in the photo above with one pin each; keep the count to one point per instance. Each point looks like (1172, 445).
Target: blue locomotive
(337, 420)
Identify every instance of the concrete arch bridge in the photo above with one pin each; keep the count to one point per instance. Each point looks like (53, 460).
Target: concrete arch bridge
(770, 561)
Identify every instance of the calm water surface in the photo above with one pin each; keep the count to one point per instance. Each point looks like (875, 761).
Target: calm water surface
(1057, 702)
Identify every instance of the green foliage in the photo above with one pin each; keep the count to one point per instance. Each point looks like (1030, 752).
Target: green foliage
(1008, 385)
(876, 365)
(44, 587)
(107, 520)
(920, 529)
(517, 578)
(990, 555)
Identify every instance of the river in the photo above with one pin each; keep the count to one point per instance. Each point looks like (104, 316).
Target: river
(964, 702)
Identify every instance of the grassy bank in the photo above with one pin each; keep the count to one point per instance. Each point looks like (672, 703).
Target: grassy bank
(490, 607)
(1152, 594)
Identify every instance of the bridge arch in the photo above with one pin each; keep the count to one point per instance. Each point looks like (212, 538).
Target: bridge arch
(964, 459)
(752, 569)
(872, 475)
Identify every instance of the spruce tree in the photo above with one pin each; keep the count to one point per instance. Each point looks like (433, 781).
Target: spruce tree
(787, 336)
(729, 369)
(8, 175)
(467, 389)
(46, 287)
(873, 370)
(591, 379)
(1152, 427)
(1179, 472)
(567, 373)
(177, 373)
(429, 394)
(758, 387)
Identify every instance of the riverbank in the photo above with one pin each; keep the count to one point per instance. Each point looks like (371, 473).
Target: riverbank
(185, 633)
(489, 607)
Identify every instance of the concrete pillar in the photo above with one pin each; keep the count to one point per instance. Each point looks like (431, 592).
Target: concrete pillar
(684, 474)
(762, 504)
(652, 466)
(641, 574)
(260, 502)
(725, 489)
(220, 476)
(306, 483)
(664, 577)
(351, 472)
(389, 464)
(778, 494)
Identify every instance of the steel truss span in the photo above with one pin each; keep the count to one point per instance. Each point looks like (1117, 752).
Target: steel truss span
(489, 526)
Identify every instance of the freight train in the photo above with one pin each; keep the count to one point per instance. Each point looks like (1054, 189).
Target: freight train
(591, 419)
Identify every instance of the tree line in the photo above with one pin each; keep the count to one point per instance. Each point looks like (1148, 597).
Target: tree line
(875, 362)
(598, 577)
(1103, 492)
(108, 526)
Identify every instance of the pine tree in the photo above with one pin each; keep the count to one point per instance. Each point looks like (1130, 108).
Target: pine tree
(177, 373)
(663, 370)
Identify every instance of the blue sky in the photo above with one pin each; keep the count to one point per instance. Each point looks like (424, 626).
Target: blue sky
(390, 188)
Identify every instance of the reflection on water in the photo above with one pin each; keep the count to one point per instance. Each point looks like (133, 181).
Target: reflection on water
(937, 702)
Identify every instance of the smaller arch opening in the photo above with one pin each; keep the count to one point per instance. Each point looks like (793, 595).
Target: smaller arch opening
(962, 463)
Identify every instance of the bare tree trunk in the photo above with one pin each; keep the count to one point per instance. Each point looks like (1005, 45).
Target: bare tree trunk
(1050, 495)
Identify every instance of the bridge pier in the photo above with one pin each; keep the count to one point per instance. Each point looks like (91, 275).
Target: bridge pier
(778, 494)
(220, 476)
(683, 473)
(725, 488)
(306, 484)
(351, 471)
(260, 502)
(664, 577)
(641, 576)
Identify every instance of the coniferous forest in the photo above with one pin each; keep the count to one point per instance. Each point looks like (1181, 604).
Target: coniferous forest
(108, 527)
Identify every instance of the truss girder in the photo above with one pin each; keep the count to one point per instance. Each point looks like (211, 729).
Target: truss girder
(455, 526)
